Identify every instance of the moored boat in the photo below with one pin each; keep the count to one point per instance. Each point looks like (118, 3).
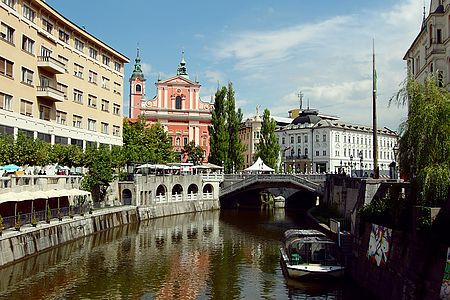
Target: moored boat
(309, 254)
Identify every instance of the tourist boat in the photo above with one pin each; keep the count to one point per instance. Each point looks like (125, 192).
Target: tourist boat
(309, 254)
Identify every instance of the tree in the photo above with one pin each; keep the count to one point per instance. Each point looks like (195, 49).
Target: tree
(235, 159)
(268, 148)
(218, 131)
(424, 145)
(100, 172)
(194, 153)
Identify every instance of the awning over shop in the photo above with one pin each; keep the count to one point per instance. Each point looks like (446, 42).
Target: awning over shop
(24, 196)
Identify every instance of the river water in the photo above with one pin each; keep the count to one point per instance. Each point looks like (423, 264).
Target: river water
(230, 254)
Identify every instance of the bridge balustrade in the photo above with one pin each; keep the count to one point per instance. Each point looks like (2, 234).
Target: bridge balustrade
(191, 196)
(160, 198)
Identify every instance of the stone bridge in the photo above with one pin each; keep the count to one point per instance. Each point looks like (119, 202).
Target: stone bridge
(234, 184)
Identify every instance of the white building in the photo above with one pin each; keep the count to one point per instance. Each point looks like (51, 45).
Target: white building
(317, 143)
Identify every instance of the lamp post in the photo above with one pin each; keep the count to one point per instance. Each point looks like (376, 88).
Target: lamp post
(340, 169)
(351, 164)
(361, 161)
(293, 161)
(395, 149)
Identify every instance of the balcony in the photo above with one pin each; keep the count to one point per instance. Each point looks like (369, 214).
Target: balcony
(51, 65)
(50, 93)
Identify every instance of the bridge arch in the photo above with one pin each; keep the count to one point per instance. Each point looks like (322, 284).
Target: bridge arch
(177, 189)
(126, 197)
(208, 188)
(161, 190)
(193, 189)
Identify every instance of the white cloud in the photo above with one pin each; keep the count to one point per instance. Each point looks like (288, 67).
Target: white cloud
(146, 68)
(330, 61)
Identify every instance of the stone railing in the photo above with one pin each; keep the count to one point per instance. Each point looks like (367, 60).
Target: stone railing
(31, 183)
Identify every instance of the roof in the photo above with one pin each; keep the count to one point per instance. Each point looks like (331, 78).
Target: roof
(307, 116)
(259, 166)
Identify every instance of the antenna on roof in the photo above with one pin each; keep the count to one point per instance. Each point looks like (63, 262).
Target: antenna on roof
(300, 98)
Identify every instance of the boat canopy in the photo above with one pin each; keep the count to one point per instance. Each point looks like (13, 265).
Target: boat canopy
(295, 236)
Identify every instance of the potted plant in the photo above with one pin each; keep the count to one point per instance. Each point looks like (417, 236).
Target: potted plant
(33, 218)
(1, 225)
(48, 215)
(17, 223)
(71, 211)
(59, 214)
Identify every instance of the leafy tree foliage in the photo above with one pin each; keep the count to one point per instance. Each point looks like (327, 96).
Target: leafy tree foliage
(235, 159)
(268, 148)
(218, 134)
(425, 139)
(194, 153)
(146, 144)
(100, 174)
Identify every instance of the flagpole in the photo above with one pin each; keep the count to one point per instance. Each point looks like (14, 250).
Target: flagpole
(376, 170)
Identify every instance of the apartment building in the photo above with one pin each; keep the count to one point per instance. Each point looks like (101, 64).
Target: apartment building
(58, 83)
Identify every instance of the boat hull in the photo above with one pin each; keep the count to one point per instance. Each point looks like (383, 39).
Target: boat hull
(305, 271)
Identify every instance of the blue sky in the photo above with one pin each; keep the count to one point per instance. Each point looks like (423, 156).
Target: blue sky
(270, 50)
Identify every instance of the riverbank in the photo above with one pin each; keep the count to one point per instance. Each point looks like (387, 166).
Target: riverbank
(16, 245)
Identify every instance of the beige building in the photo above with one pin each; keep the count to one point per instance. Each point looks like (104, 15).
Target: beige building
(58, 83)
(430, 51)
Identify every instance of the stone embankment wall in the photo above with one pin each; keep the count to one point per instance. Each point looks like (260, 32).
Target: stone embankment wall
(15, 245)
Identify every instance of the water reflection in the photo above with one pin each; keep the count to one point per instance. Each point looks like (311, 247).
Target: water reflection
(210, 255)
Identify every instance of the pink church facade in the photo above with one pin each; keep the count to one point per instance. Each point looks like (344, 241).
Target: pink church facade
(176, 105)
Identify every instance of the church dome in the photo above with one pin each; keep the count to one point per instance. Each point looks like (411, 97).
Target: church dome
(307, 116)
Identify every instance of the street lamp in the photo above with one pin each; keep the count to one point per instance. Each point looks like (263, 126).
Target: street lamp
(293, 161)
(360, 161)
(396, 151)
(351, 164)
(340, 169)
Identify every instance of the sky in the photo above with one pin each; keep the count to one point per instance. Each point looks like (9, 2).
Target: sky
(269, 50)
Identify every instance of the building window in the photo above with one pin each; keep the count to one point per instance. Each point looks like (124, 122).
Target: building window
(105, 128)
(77, 121)
(106, 60)
(77, 142)
(324, 138)
(105, 105)
(345, 152)
(44, 112)
(305, 138)
(7, 33)
(292, 139)
(92, 101)
(44, 137)
(29, 13)
(283, 140)
(439, 36)
(336, 138)
(27, 44)
(116, 109)
(178, 102)
(117, 88)
(6, 67)
(5, 101)
(45, 51)
(64, 61)
(317, 137)
(26, 108)
(117, 66)
(324, 153)
(138, 88)
(440, 78)
(116, 130)
(10, 3)
(299, 152)
(79, 45)
(93, 53)
(91, 124)
(299, 139)
(61, 140)
(61, 118)
(63, 88)
(78, 71)
(306, 151)
(77, 96)
(47, 25)
(27, 76)
(63, 36)
(317, 153)
(92, 77)
(105, 83)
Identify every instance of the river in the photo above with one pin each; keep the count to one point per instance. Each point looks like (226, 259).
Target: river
(230, 254)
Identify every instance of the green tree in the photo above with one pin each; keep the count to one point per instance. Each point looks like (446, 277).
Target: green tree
(424, 146)
(194, 153)
(24, 150)
(100, 172)
(268, 148)
(218, 130)
(6, 149)
(235, 159)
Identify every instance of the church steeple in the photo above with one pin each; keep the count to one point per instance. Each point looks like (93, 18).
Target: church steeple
(137, 72)
(182, 70)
